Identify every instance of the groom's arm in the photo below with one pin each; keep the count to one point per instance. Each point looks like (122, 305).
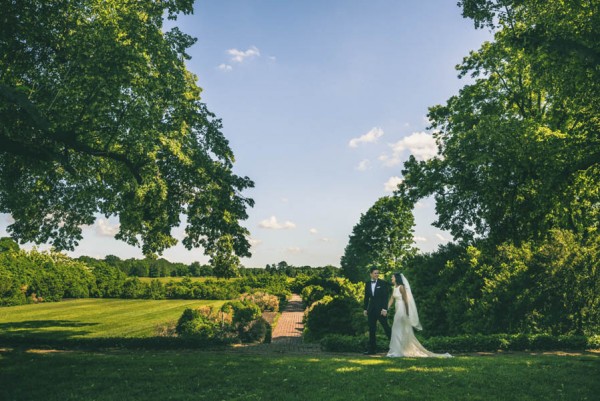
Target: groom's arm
(385, 298)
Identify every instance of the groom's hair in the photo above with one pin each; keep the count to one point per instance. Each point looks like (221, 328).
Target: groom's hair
(373, 268)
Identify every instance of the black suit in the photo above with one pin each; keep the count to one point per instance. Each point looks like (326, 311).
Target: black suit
(374, 304)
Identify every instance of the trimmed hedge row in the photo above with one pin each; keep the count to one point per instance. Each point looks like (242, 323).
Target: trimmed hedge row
(471, 343)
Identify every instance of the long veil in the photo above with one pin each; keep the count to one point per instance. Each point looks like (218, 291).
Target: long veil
(413, 316)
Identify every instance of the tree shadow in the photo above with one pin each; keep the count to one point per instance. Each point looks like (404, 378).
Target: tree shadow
(42, 333)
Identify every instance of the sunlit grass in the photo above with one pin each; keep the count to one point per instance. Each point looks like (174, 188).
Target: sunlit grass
(229, 375)
(93, 318)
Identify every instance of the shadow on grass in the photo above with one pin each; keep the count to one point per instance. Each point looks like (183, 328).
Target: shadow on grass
(68, 334)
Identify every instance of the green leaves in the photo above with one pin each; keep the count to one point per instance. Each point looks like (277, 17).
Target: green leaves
(513, 143)
(382, 238)
(100, 115)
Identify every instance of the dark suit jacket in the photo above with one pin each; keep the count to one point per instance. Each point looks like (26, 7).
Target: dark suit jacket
(374, 303)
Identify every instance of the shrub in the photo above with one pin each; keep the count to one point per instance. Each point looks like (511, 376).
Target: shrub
(337, 315)
(259, 331)
(204, 323)
(593, 342)
(266, 302)
(470, 343)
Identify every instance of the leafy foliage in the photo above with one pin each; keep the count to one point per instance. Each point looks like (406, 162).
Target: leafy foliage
(519, 148)
(383, 238)
(334, 315)
(100, 115)
(539, 287)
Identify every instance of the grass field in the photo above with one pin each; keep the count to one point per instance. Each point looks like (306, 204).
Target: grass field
(91, 318)
(231, 375)
(29, 371)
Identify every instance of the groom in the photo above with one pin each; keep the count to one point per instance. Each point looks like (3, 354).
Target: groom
(376, 299)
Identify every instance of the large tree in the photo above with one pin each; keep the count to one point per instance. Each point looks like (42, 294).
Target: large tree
(519, 149)
(99, 115)
(383, 238)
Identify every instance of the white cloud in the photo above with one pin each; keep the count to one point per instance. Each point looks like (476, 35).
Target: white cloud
(326, 239)
(420, 239)
(392, 184)
(441, 237)
(420, 144)
(273, 224)
(363, 165)
(313, 231)
(294, 249)
(238, 56)
(369, 137)
(225, 67)
(105, 229)
(254, 242)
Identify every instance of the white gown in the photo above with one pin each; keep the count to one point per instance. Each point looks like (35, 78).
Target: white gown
(403, 342)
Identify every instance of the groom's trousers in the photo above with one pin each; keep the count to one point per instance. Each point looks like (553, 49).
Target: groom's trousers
(373, 319)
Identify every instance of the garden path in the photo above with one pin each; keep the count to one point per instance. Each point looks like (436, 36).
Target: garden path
(287, 335)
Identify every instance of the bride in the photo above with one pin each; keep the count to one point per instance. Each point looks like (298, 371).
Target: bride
(403, 341)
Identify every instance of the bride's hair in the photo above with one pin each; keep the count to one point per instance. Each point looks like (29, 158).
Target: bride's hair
(398, 278)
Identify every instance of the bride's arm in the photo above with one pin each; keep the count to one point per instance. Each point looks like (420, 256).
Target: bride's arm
(391, 301)
(404, 298)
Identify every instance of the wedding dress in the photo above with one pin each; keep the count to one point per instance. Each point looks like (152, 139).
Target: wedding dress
(403, 342)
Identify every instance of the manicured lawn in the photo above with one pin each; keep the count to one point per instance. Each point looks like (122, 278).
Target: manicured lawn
(231, 375)
(84, 319)
(81, 350)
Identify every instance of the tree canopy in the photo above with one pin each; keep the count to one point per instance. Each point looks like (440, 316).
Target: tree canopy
(519, 149)
(383, 238)
(100, 116)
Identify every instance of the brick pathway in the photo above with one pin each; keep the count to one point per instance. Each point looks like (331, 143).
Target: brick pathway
(287, 335)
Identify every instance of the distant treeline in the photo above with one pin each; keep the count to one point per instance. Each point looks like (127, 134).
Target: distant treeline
(33, 276)
(163, 268)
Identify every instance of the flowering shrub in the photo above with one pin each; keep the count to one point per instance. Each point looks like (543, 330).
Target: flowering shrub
(266, 302)
(236, 321)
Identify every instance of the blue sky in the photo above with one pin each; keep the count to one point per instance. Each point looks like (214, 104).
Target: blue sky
(322, 101)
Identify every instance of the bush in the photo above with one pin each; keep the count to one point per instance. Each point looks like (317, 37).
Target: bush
(259, 331)
(266, 302)
(205, 324)
(337, 315)
(471, 343)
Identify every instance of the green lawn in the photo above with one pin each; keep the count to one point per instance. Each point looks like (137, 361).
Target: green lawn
(84, 319)
(231, 375)
(158, 373)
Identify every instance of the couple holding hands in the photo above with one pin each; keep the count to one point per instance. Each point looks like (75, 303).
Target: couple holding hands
(377, 303)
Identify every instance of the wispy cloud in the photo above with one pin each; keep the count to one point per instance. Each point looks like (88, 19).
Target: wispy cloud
(324, 239)
(392, 184)
(272, 224)
(363, 165)
(420, 239)
(105, 229)
(371, 136)
(239, 56)
(225, 67)
(441, 237)
(420, 144)
(294, 249)
(313, 231)
(254, 242)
